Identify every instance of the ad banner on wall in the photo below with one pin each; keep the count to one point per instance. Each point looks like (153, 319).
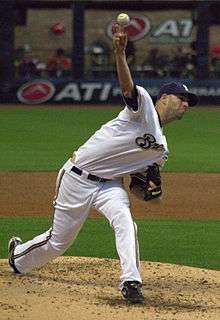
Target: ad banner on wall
(101, 92)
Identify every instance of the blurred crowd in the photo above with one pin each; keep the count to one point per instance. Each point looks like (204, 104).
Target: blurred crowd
(179, 63)
(58, 65)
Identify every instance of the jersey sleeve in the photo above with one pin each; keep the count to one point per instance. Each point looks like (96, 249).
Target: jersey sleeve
(132, 102)
(141, 101)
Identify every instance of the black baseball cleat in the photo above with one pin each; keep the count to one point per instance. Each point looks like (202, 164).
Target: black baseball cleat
(12, 244)
(131, 291)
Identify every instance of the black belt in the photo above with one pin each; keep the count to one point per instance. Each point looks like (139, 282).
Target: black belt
(90, 176)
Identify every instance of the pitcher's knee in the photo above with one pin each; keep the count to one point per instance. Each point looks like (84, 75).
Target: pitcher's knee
(123, 221)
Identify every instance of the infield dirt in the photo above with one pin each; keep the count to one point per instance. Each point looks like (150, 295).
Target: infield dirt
(86, 288)
(185, 196)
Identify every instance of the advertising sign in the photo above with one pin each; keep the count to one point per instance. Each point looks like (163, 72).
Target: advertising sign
(36, 92)
(170, 30)
(89, 92)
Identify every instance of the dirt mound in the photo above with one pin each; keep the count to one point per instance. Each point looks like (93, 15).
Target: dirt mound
(86, 288)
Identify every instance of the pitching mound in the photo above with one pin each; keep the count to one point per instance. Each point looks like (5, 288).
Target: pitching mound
(86, 288)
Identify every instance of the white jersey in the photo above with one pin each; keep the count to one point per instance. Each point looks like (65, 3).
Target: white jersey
(127, 144)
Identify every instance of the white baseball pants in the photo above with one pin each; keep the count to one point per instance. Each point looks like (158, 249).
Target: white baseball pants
(75, 195)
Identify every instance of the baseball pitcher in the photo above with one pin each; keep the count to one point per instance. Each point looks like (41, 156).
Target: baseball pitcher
(131, 144)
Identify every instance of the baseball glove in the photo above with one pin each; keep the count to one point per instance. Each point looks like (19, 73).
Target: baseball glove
(146, 186)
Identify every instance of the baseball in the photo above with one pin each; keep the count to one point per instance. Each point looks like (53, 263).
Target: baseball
(123, 19)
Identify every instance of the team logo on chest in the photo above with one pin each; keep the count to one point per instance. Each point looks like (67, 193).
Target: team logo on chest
(148, 141)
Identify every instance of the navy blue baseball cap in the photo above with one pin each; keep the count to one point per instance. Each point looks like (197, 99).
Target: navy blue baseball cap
(178, 88)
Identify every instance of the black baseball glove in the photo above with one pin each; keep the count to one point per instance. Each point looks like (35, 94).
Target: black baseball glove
(147, 186)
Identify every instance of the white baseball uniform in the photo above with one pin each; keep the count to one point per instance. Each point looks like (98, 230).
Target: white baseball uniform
(129, 143)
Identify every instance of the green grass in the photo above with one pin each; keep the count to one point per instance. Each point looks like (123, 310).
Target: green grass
(42, 138)
(194, 142)
(185, 242)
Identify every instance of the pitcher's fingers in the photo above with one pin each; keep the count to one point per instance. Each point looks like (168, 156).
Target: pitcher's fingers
(117, 28)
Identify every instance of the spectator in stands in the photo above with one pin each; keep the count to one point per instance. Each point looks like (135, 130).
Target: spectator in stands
(156, 64)
(59, 64)
(27, 68)
(214, 67)
(25, 63)
(99, 53)
(191, 61)
(214, 61)
(183, 64)
(178, 62)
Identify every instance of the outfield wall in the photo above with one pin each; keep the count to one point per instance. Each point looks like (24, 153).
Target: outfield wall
(103, 91)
